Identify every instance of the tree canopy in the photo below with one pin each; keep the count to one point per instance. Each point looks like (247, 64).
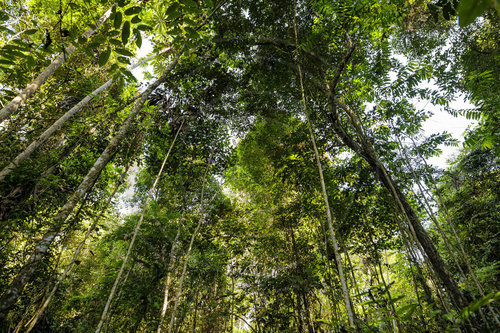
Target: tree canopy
(268, 172)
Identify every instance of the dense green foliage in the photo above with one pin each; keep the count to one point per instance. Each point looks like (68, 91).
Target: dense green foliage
(268, 174)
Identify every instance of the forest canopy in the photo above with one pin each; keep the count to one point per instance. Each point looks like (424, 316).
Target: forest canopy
(268, 172)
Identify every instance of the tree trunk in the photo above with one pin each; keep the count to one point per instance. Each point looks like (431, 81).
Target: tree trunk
(167, 280)
(195, 315)
(26, 273)
(345, 290)
(188, 253)
(75, 255)
(27, 92)
(136, 231)
(58, 124)
(365, 150)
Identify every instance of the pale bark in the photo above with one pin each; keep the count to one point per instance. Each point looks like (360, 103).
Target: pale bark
(59, 123)
(26, 273)
(136, 231)
(27, 92)
(345, 289)
(167, 281)
(188, 253)
(336, 251)
(449, 245)
(364, 148)
(118, 297)
(68, 268)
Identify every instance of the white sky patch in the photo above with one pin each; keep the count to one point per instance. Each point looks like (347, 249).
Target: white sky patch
(443, 121)
(440, 121)
(145, 50)
(124, 204)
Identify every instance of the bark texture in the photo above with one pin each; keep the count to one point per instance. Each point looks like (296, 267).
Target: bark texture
(363, 147)
(57, 125)
(26, 273)
(136, 231)
(27, 92)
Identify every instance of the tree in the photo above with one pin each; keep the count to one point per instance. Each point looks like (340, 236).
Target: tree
(296, 195)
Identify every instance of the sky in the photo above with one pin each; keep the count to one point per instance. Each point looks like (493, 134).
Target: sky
(443, 121)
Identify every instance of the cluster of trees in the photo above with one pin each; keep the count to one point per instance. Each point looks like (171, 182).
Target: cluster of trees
(276, 161)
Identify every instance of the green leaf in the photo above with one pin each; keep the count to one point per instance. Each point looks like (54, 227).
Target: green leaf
(116, 42)
(3, 16)
(7, 30)
(128, 74)
(113, 33)
(138, 38)
(190, 22)
(189, 3)
(136, 19)
(407, 311)
(143, 27)
(31, 61)
(16, 53)
(125, 32)
(93, 45)
(22, 44)
(104, 57)
(488, 142)
(469, 10)
(173, 9)
(117, 23)
(176, 31)
(124, 60)
(394, 300)
(478, 303)
(6, 62)
(124, 52)
(113, 68)
(82, 40)
(193, 10)
(123, 3)
(31, 31)
(133, 10)
(191, 33)
(97, 41)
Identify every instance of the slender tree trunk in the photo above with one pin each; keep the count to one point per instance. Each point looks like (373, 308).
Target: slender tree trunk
(26, 273)
(58, 124)
(365, 150)
(188, 253)
(414, 262)
(27, 92)
(136, 231)
(76, 253)
(112, 308)
(195, 309)
(167, 280)
(232, 304)
(354, 280)
(395, 320)
(307, 308)
(449, 245)
(345, 290)
(461, 251)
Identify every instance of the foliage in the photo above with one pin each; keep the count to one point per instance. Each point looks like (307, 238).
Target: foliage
(241, 182)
